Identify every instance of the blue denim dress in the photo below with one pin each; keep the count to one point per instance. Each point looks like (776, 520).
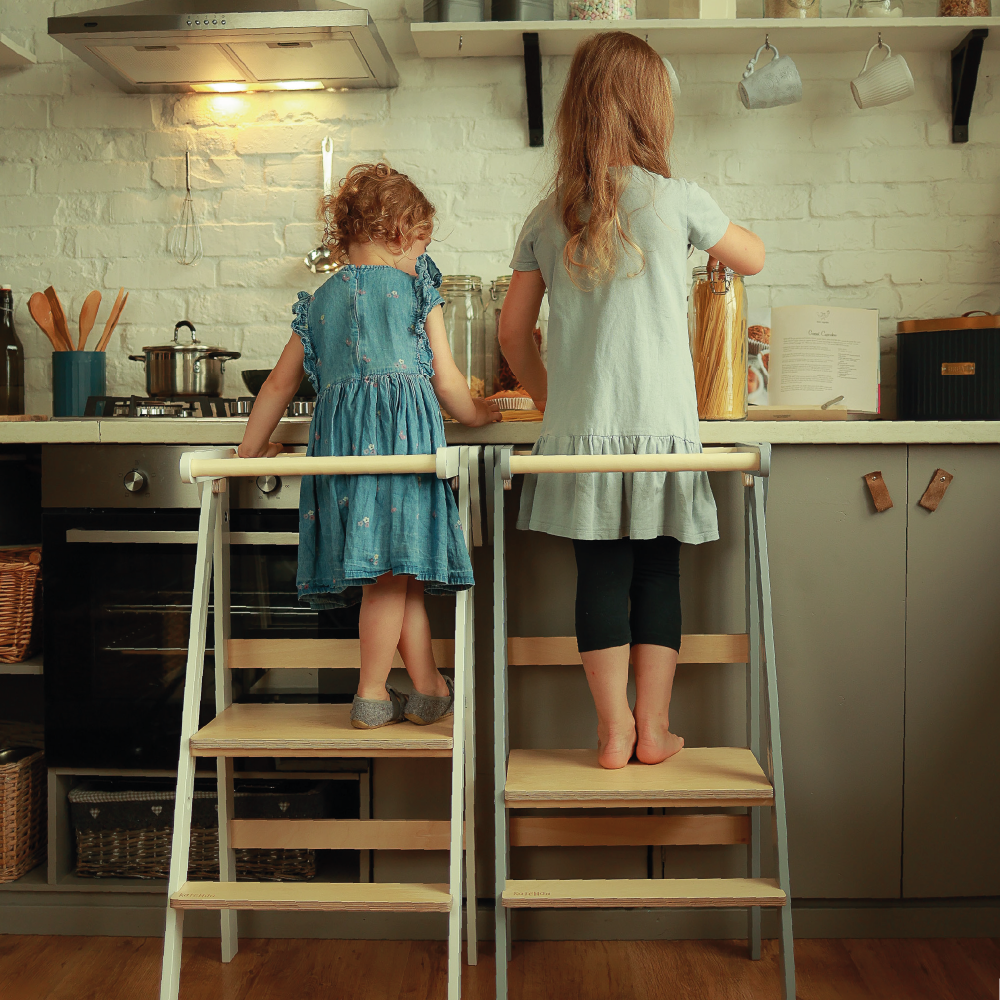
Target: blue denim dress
(368, 356)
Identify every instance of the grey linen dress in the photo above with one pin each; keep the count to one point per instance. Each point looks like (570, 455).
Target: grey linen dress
(621, 380)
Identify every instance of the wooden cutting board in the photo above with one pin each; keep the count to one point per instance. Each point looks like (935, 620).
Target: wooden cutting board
(24, 416)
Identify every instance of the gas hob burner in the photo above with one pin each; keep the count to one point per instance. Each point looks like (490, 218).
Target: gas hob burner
(139, 406)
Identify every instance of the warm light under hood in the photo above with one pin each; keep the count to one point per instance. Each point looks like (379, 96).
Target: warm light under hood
(173, 46)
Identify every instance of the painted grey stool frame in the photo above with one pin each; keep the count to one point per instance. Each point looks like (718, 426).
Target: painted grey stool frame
(753, 462)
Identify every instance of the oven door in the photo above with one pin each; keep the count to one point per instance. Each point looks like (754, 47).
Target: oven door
(117, 615)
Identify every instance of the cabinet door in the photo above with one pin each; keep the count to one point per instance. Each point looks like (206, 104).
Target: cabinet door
(952, 810)
(838, 575)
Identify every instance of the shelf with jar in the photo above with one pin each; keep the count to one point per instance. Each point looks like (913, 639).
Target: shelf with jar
(442, 40)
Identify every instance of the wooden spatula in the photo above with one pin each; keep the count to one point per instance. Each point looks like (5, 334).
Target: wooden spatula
(87, 316)
(59, 318)
(38, 306)
(112, 321)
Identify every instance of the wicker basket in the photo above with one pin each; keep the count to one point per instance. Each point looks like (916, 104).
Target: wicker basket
(20, 572)
(22, 816)
(127, 834)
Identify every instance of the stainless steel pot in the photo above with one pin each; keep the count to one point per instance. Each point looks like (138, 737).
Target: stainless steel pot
(176, 371)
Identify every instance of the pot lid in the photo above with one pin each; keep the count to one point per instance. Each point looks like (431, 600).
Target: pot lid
(194, 347)
(967, 321)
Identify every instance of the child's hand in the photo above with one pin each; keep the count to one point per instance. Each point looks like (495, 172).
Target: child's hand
(487, 412)
(272, 449)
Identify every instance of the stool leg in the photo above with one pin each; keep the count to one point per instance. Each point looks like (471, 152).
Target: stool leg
(753, 717)
(787, 956)
(471, 933)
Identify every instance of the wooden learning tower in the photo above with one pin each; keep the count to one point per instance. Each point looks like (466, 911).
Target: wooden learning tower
(315, 731)
(708, 779)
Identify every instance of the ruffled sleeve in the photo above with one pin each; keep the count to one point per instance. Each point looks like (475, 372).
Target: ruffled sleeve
(300, 324)
(426, 286)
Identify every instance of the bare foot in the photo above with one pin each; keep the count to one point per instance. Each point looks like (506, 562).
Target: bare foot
(656, 743)
(615, 744)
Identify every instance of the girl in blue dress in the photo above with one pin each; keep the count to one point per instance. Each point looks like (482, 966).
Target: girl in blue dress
(373, 343)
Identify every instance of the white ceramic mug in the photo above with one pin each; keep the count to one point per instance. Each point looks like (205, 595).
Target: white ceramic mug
(885, 82)
(772, 85)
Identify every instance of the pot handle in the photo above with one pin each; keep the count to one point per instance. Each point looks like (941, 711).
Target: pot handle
(190, 326)
(137, 357)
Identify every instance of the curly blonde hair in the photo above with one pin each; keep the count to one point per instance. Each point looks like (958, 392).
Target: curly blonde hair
(375, 203)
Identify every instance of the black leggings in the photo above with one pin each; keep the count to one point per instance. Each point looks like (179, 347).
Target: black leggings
(609, 573)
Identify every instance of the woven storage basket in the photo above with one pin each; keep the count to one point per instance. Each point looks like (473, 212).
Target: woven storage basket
(20, 571)
(127, 834)
(22, 816)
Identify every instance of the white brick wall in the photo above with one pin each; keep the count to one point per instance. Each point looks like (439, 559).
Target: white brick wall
(873, 208)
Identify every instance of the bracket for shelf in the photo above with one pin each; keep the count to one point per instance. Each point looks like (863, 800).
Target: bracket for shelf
(533, 87)
(964, 73)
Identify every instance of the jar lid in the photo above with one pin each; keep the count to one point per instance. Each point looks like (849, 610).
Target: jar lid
(982, 321)
(462, 282)
(503, 281)
(702, 272)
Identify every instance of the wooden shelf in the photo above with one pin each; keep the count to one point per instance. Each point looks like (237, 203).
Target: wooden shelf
(680, 37)
(32, 666)
(314, 731)
(568, 779)
(351, 897)
(14, 55)
(629, 893)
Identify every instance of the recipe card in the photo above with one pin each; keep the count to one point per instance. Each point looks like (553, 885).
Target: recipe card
(821, 352)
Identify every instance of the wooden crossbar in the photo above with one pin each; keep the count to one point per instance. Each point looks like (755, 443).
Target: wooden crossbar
(627, 831)
(317, 654)
(342, 834)
(625, 893)
(538, 651)
(709, 460)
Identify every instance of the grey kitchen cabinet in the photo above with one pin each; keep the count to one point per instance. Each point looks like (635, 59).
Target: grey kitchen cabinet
(952, 766)
(838, 576)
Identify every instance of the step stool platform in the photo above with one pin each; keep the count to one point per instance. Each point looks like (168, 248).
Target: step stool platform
(269, 730)
(709, 776)
(350, 897)
(628, 893)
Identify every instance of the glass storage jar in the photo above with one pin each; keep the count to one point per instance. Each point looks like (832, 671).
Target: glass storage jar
(602, 10)
(791, 8)
(875, 8)
(963, 8)
(717, 324)
(503, 376)
(464, 321)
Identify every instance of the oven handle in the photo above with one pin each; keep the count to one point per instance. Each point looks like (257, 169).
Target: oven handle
(178, 537)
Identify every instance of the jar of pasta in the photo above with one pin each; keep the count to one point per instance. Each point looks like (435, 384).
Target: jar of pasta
(465, 323)
(717, 323)
(791, 8)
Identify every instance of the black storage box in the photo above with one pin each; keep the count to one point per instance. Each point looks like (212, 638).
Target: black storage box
(948, 369)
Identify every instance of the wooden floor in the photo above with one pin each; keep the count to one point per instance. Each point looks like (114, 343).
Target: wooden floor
(104, 968)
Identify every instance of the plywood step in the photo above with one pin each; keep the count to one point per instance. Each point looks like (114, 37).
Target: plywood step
(352, 897)
(709, 776)
(314, 731)
(627, 893)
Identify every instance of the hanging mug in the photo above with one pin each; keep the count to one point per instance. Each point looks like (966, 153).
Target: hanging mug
(886, 82)
(772, 85)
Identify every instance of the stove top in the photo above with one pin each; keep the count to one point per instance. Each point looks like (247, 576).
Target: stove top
(191, 408)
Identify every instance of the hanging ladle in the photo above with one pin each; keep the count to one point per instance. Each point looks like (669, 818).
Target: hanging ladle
(320, 260)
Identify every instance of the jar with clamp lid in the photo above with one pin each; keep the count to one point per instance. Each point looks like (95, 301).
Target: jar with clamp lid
(464, 321)
(717, 323)
(503, 378)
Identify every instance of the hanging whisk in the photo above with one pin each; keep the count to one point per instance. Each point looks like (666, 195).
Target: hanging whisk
(185, 237)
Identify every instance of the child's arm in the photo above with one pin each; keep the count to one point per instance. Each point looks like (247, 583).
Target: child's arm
(517, 329)
(739, 249)
(449, 383)
(272, 401)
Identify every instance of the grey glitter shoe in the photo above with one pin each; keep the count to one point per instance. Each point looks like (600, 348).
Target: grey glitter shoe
(372, 713)
(423, 709)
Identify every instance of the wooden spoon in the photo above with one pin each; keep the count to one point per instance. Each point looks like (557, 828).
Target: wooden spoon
(38, 306)
(58, 317)
(109, 326)
(87, 316)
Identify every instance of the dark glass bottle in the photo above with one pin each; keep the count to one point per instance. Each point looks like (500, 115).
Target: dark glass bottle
(11, 358)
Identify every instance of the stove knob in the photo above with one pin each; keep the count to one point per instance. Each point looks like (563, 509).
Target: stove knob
(135, 482)
(268, 484)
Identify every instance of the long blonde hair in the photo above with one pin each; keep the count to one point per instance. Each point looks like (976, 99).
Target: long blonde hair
(616, 111)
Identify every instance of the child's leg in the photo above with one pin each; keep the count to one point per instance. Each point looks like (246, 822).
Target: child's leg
(656, 634)
(604, 572)
(382, 608)
(415, 644)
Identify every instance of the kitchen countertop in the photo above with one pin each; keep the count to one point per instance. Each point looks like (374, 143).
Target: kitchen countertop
(294, 430)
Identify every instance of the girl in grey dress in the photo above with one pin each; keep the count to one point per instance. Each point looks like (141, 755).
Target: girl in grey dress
(610, 245)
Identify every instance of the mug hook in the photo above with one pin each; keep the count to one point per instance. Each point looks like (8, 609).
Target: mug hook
(880, 39)
(767, 41)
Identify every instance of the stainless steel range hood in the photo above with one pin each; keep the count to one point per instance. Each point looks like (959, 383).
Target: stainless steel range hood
(176, 46)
